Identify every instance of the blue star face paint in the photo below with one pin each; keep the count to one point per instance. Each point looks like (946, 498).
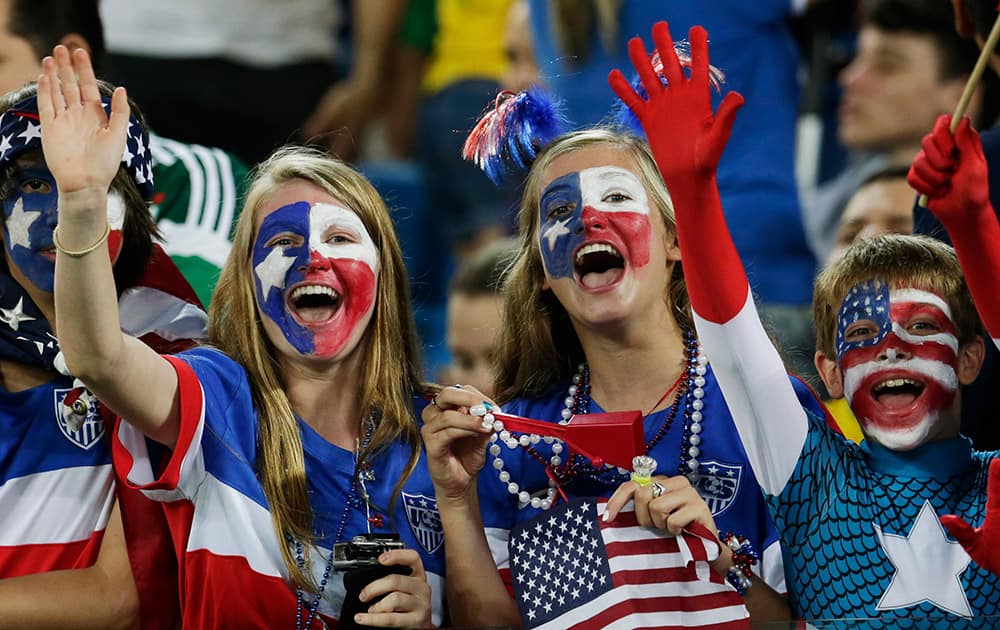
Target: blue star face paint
(315, 271)
(29, 218)
(602, 210)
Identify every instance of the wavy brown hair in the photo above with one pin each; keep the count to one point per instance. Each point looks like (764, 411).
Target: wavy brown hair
(391, 366)
(538, 346)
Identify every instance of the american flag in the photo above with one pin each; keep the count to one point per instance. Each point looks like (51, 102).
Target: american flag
(570, 569)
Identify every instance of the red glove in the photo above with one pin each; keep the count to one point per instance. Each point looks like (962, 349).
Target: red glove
(982, 543)
(951, 171)
(687, 141)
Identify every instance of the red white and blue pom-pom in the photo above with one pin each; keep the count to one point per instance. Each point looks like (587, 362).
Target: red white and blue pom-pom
(513, 131)
(624, 116)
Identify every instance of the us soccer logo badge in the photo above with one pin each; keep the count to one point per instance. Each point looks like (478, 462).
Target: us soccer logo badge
(78, 417)
(718, 484)
(425, 521)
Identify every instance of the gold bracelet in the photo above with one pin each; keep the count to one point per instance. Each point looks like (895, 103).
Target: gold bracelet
(83, 252)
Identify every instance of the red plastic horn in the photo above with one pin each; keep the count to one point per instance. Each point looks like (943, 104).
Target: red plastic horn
(613, 438)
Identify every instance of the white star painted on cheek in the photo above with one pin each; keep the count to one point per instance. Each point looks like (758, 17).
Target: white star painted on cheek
(928, 567)
(14, 316)
(18, 224)
(271, 271)
(32, 131)
(554, 231)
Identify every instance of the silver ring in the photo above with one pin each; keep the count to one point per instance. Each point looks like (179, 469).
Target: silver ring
(657, 489)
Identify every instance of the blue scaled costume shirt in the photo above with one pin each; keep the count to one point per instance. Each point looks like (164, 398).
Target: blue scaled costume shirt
(726, 481)
(219, 515)
(860, 530)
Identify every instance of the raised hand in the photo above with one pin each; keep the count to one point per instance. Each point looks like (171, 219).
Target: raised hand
(455, 441)
(951, 171)
(83, 146)
(982, 543)
(685, 136)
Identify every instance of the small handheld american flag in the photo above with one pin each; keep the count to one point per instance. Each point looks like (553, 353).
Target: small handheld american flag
(570, 569)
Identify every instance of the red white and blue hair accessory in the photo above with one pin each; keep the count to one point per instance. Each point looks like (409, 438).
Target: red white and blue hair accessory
(624, 116)
(513, 131)
(21, 131)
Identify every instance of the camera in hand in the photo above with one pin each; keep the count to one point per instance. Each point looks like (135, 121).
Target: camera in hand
(363, 550)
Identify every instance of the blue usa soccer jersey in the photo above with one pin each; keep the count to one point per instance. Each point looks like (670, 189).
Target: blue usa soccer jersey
(726, 481)
(56, 482)
(221, 525)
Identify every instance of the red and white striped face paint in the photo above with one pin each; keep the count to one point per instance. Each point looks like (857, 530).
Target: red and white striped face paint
(898, 352)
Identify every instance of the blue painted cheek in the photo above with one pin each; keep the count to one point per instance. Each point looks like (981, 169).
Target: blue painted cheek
(558, 237)
(38, 269)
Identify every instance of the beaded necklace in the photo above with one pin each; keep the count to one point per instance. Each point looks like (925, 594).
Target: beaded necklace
(690, 395)
(354, 500)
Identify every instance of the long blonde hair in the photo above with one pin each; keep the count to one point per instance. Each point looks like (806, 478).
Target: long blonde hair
(538, 345)
(391, 367)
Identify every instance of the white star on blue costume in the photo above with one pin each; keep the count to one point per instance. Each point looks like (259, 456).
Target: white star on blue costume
(18, 224)
(928, 566)
(271, 271)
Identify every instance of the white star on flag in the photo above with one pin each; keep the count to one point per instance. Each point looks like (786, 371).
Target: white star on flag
(5, 146)
(18, 224)
(14, 316)
(928, 566)
(272, 270)
(31, 131)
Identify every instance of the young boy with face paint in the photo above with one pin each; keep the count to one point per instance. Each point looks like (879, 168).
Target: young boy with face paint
(897, 333)
(295, 432)
(57, 489)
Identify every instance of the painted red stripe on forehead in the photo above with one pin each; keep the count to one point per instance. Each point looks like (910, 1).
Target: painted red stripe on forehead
(903, 312)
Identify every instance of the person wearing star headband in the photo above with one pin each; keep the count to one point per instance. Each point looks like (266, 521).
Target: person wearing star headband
(596, 318)
(295, 432)
(60, 499)
(897, 335)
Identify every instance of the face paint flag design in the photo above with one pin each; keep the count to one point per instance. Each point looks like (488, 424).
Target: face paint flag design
(571, 569)
(593, 223)
(898, 354)
(315, 268)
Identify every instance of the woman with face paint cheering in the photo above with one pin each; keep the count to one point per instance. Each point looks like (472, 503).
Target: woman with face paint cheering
(897, 334)
(296, 431)
(596, 319)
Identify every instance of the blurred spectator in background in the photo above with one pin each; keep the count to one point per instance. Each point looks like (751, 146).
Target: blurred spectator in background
(474, 312)
(910, 66)
(519, 46)
(247, 75)
(197, 190)
(883, 204)
(578, 42)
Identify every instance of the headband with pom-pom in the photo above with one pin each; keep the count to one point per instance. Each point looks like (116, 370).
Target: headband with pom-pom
(624, 116)
(513, 130)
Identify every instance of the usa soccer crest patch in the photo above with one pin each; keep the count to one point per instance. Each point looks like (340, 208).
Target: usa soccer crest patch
(80, 423)
(719, 485)
(425, 521)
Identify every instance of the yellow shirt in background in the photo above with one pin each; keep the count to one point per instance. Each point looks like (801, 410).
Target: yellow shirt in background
(469, 42)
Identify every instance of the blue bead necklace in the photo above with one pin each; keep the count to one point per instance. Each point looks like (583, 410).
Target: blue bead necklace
(354, 500)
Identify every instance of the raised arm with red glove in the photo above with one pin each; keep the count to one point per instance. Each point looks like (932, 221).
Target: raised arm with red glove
(687, 141)
(951, 171)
